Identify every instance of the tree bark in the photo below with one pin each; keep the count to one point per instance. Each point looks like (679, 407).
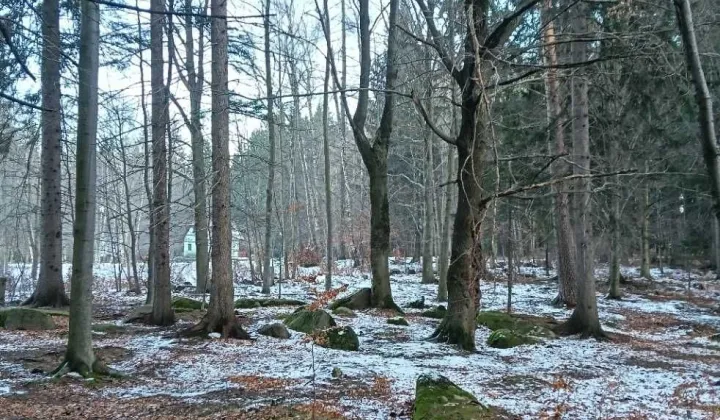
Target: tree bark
(445, 240)
(645, 232)
(221, 311)
(326, 151)
(708, 136)
(267, 272)
(614, 275)
(162, 313)
(79, 356)
(567, 277)
(427, 263)
(584, 319)
(50, 290)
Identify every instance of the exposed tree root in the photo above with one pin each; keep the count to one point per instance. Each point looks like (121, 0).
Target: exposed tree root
(574, 326)
(97, 368)
(559, 302)
(53, 300)
(230, 328)
(613, 297)
(446, 333)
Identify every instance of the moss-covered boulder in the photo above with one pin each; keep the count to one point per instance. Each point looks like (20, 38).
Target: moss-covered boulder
(183, 304)
(362, 299)
(437, 312)
(250, 303)
(307, 321)
(715, 337)
(505, 339)
(437, 398)
(398, 320)
(343, 311)
(417, 304)
(139, 314)
(276, 330)
(26, 319)
(531, 325)
(338, 338)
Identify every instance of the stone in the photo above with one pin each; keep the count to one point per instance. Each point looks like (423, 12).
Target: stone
(307, 321)
(186, 304)
(139, 314)
(398, 320)
(362, 299)
(417, 304)
(337, 373)
(338, 338)
(505, 339)
(531, 325)
(276, 330)
(437, 398)
(26, 319)
(437, 312)
(343, 311)
(715, 337)
(250, 303)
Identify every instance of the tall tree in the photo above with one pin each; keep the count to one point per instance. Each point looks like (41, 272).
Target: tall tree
(374, 151)
(220, 317)
(326, 152)
(556, 145)
(162, 313)
(584, 319)
(267, 269)
(79, 356)
(50, 290)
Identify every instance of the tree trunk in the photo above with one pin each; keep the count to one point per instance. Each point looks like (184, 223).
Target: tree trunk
(162, 313)
(221, 311)
(445, 240)
(567, 277)
(645, 232)
(614, 276)
(511, 258)
(584, 319)
(326, 150)
(708, 137)
(79, 356)
(50, 290)
(135, 284)
(267, 272)
(427, 263)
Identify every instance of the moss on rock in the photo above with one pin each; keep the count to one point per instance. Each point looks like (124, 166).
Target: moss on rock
(26, 319)
(339, 338)
(362, 299)
(276, 330)
(535, 326)
(182, 304)
(343, 311)
(505, 339)
(437, 312)
(307, 321)
(250, 303)
(398, 320)
(437, 398)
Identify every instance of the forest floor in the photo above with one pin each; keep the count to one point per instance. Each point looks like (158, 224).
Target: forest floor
(659, 363)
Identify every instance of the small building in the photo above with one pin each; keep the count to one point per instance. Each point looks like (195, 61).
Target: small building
(239, 248)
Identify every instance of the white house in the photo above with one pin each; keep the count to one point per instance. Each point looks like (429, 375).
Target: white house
(238, 247)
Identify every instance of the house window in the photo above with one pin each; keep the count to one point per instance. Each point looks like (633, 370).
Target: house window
(189, 246)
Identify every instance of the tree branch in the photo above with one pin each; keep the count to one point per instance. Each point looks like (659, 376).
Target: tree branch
(421, 109)
(506, 26)
(445, 57)
(8, 40)
(166, 13)
(21, 102)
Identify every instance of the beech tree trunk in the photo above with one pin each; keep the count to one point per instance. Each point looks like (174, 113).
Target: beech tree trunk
(50, 290)
(79, 355)
(567, 278)
(326, 151)
(428, 276)
(645, 232)
(614, 275)
(445, 239)
(162, 313)
(584, 319)
(708, 136)
(220, 317)
(267, 272)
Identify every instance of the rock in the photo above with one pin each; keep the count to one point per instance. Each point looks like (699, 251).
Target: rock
(437, 313)
(531, 325)
(140, 314)
(343, 311)
(357, 301)
(418, 304)
(398, 320)
(505, 339)
(249, 303)
(338, 338)
(411, 271)
(215, 335)
(395, 272)
(276, 330)
(437, 398)
(185, 286)
(715, 337)
(337, 373)
(307, 321)
(26, 319)
(183, 304)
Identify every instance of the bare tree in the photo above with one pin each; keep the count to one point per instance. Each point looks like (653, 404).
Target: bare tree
(50, 290)
(326, 150)
(162, 313)
(267, 270)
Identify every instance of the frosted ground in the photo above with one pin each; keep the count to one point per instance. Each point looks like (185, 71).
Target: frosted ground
(660, 363)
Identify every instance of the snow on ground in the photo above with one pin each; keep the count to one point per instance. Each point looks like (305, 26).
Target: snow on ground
(665, 367)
